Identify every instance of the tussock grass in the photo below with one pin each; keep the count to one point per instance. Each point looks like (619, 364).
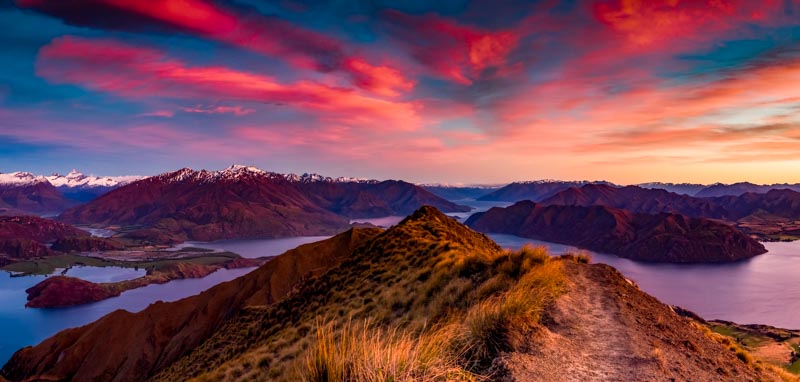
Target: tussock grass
(365, 352)
(427, 300)
(505, 309)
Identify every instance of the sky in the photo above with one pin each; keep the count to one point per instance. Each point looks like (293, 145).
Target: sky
(461, 91)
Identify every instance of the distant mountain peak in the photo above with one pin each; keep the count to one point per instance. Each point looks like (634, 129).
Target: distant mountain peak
(77, 179)
(239, 171)
(21, 178)
(551, 181)
(317, 178)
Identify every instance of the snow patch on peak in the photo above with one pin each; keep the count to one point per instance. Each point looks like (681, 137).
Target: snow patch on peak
(239, 168)
(21, 178)
(461, 185)
(76, 179)
(232, 173)
(317, 178)
(573, 182)
(238, 172)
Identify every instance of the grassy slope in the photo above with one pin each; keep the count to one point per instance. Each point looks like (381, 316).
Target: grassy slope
(439, 300)
(147, 341)
(778, 347)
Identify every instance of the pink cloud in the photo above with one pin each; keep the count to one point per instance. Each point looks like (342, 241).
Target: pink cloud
(136, 72)
(235, 110)
(271, 36)
(453, 51)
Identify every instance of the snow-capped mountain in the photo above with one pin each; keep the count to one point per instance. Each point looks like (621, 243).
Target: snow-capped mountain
(20, 178)
(690, 189)
(238, 171)
(73, 187)
(245, 201)
(76, 179)
(314, 178)
(26, 193)
(536, 190)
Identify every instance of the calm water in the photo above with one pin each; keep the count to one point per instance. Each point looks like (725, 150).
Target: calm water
(20, 326)
(761, 290)
(103, 275)
(252, 248)
(765, 289)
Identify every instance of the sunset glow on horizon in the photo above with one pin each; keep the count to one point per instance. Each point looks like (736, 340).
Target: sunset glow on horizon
(467, 91)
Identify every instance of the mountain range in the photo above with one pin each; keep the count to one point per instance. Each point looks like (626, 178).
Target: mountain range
(540, 190)
(424, 297)
(26, 193)
(242, 201)
(661, 237)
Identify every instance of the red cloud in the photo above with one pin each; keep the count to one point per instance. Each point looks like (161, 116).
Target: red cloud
(645, 22)
(453, 51)
(266, 35)
(129, 71)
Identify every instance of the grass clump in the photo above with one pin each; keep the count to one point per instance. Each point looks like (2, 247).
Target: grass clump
(469, 336)
(369, 353)
(438, 302)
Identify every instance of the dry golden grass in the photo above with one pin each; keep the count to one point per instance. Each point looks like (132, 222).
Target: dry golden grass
(462, 346)
(441, 301)
(365, 352)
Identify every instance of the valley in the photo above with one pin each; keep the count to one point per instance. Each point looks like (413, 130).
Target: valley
(399, 191)
(171, 259)
(254, 356)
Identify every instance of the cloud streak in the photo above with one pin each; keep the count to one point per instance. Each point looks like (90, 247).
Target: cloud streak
(614, 89)
(134, 72)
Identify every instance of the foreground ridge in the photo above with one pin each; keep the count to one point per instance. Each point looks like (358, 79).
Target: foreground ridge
(428, 299)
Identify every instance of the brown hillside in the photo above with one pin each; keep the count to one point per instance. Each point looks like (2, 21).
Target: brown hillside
(428, 299)
(663, 237)
(606, 329)
(24, 237)
(145, 342)
(202, 205)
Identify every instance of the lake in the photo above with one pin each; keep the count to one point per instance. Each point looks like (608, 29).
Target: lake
(252, 248)
(761, 290)
(20, 326)
(765, 289)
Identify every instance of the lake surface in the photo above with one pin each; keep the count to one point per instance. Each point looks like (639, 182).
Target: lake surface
(765, 289)
(252, 248)
(20, 326)
(761, 290)
(104, 274)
